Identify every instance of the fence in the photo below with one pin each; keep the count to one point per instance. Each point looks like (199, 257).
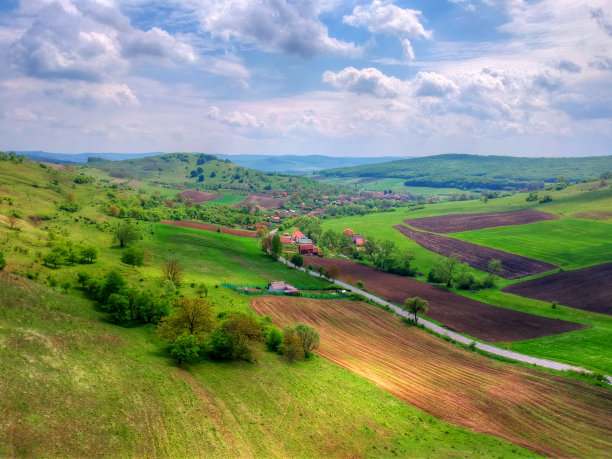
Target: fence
(263, 290)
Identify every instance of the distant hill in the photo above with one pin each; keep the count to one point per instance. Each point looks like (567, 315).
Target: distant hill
(81, 157)
(293, 164)
(474, 171)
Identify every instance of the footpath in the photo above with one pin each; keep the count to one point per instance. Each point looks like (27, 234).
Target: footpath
(455, 336)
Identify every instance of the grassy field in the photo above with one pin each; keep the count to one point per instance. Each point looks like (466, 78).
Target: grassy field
(230, 199)
(394, 184)
(569, 243)
(75, 385)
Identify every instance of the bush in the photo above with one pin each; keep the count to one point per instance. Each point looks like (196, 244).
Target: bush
(360, 284)
(297, 260)
(274, 339)
(2, 261)
(132, 256)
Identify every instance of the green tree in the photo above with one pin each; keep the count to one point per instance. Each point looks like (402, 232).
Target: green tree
(118, 307)
(276, 247)
(242, 331)
(53, 282)
(113, 284)
(133, 256)
(443, 270)
(2, 261)
(297, 260)
(416, 305)
(184, 347)
(292, 348)
(89, 253)
(65, 286)
(194, 316)
(360, 284)
(126, 232)
(83, 278)
(274, 339)
(494, 268)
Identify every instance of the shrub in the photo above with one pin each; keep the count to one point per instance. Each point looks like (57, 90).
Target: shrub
(360, 284)
(2, 261)
(132, 256)
(274, 339)
(297, 260)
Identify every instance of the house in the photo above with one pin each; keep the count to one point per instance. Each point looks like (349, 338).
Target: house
(285, 240)
(297, 234)
(282, 287)
(358, 239)
(349, 232)
(299, 238)
(308, 249)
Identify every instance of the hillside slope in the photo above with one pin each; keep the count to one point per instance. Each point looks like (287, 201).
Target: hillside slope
(473, 171)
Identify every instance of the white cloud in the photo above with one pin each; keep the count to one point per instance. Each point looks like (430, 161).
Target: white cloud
(365, 81)
(408, 51)
(275, 25)
(233, 118)
(431, 84)
(383, 17)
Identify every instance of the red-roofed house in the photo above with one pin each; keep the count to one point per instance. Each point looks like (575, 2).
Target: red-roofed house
(359, 240)
(349, 232)
(297, 234)
(285, 240)
(306, 249)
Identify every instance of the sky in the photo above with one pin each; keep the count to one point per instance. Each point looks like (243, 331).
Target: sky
(339, 78)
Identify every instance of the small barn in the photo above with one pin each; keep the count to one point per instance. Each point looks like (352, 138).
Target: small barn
(308, 249)
(282, 287)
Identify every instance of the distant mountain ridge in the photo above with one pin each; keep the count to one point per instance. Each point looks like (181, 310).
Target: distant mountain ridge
(476, 171)
(265, 163)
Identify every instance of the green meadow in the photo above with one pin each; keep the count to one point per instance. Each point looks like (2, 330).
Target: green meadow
(570, 243)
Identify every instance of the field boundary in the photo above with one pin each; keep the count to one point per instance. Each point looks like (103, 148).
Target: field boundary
(551, 364)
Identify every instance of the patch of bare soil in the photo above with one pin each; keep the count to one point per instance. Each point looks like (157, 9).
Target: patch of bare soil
(199, 196)
(478, 256)
(549, 414)
(263, 200)
(458, 223)
(209, 227)
(477, 319)
(589, 288)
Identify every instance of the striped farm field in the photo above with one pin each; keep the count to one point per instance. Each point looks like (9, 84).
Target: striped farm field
(569, 243)
(548, 414)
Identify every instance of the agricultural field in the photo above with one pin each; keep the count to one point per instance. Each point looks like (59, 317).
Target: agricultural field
(230, 199)
(570, 243)
(458, 313)
(263, 200)
(587, 288)
(545, 413)
(458, 223)
(381, 184)
(512, 266)
(208, 227)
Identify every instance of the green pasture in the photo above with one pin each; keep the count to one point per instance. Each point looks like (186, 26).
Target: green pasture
(395, 184)
(230, 199)
(73, 384)
(569, 243)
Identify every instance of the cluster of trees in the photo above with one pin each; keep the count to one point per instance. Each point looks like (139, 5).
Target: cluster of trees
(194, 332)
(12, 157)
(125, 303)
(451, 272)
(70, 253)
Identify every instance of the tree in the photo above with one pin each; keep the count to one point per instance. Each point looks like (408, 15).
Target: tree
(53, 282)
(173, 271)
(297, 260)
(292, 346)
(89, 253)
(321, 270)
(416, 305)
(274, 339)
(118, 307)
(194, 316)
(309, 336)
(2, 261)
(494, 268)
(12, 218)
(443, 270)
(235, 337)
(132, 256)
(333, 272)
(184, 347)
(276, 247)
(65, 286)
(126, 232)
(113, 284)
(83, 278)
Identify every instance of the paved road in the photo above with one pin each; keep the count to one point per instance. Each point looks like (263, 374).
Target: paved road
(456, 336)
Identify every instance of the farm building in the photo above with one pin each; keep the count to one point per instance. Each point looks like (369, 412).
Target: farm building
(282, 287)
(285, 240)
(299, 238)
(308, 249)
(349, 232)
(358, 239)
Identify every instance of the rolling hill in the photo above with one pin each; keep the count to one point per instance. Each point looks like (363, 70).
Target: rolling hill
(474, 171)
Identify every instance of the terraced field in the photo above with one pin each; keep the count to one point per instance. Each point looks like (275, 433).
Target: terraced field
(548, 414)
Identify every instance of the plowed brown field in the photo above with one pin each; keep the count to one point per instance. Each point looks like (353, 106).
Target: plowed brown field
(208, 227)
(264, 200)
(199, 196)
(588, 288)
(458, 223)
(549, 414)
(477, 256)
(477, 319)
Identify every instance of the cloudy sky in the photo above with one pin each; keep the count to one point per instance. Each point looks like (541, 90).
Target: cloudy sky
(358, 78)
